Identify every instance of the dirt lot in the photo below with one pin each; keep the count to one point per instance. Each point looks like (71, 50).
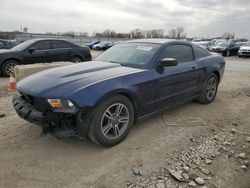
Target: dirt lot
(206, 141)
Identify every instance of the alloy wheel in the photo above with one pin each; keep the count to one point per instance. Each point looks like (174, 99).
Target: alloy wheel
(76, 60)
(211, 88)
(115, 121)
(9, 68)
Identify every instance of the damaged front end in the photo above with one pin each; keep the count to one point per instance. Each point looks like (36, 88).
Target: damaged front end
(52, 120)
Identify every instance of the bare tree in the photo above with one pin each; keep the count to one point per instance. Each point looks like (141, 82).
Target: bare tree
(172, 34)
(155, 33)
(108, 33)
(178, 33)
(181, 33)
(83, 34)
(228, 35)
(136, 33)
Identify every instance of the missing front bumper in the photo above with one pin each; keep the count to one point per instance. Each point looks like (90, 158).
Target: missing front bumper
(59, 124)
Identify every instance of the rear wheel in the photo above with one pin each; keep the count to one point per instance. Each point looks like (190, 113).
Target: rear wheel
(112, 121)
(9, 67)
(76, 59)
(209, 90)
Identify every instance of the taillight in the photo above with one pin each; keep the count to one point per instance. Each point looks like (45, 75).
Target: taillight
(90, 55)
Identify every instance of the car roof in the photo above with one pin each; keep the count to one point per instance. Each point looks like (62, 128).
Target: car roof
(3, 40)
(41, 39)
(158, 41)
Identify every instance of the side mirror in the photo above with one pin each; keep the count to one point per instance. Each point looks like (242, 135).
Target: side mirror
(32, 50)
(167, 62)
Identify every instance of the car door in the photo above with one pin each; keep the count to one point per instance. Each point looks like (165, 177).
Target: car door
(61, 51)
(176, 84)
(37, 53)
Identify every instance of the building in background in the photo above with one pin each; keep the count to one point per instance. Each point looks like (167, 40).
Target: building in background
(25, 30)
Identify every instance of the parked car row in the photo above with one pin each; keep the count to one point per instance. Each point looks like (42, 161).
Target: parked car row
(42, 51)
(226, 47)
(6, 44)
(98, 45)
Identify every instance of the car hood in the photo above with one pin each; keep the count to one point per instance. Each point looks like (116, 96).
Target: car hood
(65, 81)
(245, 48)
(4, 51)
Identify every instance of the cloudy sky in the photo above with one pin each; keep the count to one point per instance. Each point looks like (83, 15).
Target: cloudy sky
(205, 18)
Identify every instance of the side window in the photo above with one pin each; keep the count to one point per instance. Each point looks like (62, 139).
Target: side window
(182, 53)
(1, 44)
(60, 44)
(42, 45)
(200, 52)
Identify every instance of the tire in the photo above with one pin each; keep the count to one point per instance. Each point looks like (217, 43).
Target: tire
(209, 90)
(228, 53)
(8, 67)
(76, 59)
(113, 114)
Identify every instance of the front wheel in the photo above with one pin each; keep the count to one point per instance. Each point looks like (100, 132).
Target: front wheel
(112, 121)
(76, 59)
(9, 67)
(209, 90)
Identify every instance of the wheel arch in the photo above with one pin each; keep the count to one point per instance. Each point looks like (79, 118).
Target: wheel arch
(126, 93)
(217, 73)
(15, 59)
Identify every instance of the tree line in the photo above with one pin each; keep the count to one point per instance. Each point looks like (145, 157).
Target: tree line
(177, 33)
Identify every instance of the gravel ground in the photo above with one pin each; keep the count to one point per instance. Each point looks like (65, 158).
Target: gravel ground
(192, 145)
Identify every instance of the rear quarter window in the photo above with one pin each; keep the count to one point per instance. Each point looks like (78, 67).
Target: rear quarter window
(60, 44)
(200, 52)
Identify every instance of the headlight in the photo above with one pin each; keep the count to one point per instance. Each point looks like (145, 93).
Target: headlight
(61, 105)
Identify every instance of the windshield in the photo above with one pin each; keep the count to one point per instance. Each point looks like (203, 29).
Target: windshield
(101, 43)
(223, 44)
(130, 54)
(203, 44)
(23, 45)
(247, 44)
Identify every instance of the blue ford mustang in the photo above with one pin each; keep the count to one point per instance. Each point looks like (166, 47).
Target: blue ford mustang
(102, 99)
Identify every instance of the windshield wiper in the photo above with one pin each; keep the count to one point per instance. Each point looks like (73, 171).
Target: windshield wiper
(124, 64)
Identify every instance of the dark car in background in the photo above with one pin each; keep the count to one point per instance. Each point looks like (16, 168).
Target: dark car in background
(102, 45)
(5, 44)
(42, 51)
(226, 48)
(127, 83)
(91, 44)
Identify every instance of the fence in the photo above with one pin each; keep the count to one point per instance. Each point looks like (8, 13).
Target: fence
(79, 40)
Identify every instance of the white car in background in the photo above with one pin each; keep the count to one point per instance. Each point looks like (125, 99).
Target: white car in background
(244, 50)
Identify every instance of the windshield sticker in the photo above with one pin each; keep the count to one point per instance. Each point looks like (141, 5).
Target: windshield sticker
(145, 48)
